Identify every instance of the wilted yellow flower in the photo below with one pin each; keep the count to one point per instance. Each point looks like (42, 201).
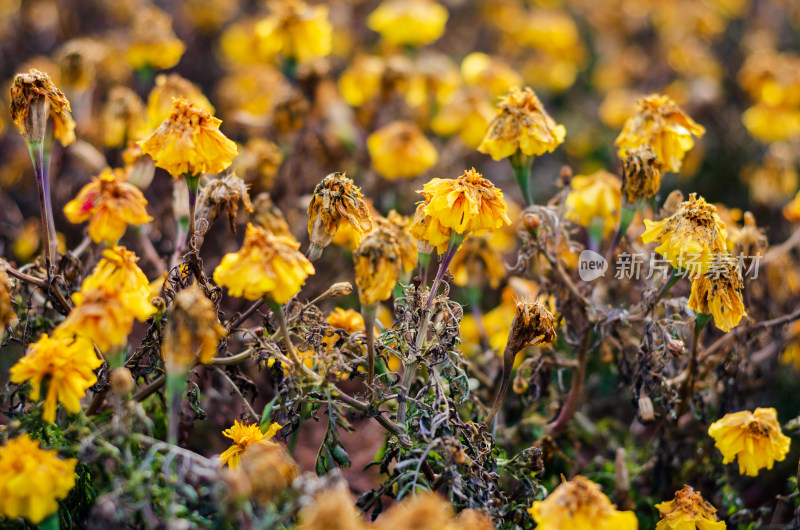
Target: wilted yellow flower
(32, 480)
(398, 225)
(6, 303)
(110, 204)
(688, 511)
(66, 364)
(580, 504)
(336, 200)
(424, 511)
(258, 163)
(103, 317)
(243, 435)
(167, 88)
(753, 438)
(242, 98)
(595, 200)
(400, 150)
(522, 124)
(662, 124)
(348, 320)
(193, 331)
(153, 44)
(775, 179)
(361, 80)
(189, 142)
(429, 232)
(468, 114)
(265, 471)
(475, 262)
(690, 237)
(641, 174)
(270, 217)
(792, 210)
(123, 118)
(409, 22)
(267, 265)
(719, 292)
(490, 73)
(296, 30)
(332, 509)
(34, 97)
(377, 266)
(772, 80)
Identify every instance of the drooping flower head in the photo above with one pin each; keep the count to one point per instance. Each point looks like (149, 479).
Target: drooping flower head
(153, 43)
(690, 237)
(409, 22)
(66, 364)
(688, 511)
(336, 200)
(110, 204)
(754, 439)
(168, 88)
(400, 150)
(398, 225)
(123, 118)
(522, 124)
(641, 173)
(718, 292)
(189, 142)
(34, 97)
(580, 504)
(296, 30)
(193, 331)
(32, 480)
(429, 232)
(595, 200)
(377, 266)
(267, 265)
(660, 123)
(243, 435)
(102, 317)
(532, 324)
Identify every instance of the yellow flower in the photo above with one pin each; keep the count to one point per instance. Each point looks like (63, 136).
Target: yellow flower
(421, 511)
(270, 217)
(641, 174)
(193, 331)
(580, 505)
(468, 114)
(32, 480)
(189, 142)
(123, 118)
(791, 355)
(267, 265)
(153, 43)
(110, 204)
(662, 124)
(296, 30)
(753, 438)
(336, 200)
(400, 150)
(331, 509)
(792, 210)
(265, 470)
(688, 511)
(476, 261)
(690, 237)
(377, 266)
(65, 364)
(6, 302)
(258, 163)
(244, 435)
(348, 320)
(618, 105)
(522, 124)
(595, 199)
(102, 316)
(167, 88)
(242, 97)
(398, 225)
(490, 73)
(361, 80)
(408, 22)
(718, 292)
(775, 179)
(33, 98)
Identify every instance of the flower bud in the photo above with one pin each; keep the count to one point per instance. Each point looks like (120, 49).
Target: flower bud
(121, 381)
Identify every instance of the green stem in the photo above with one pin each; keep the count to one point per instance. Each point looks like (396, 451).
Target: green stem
(192, 184)
(175, 385)
(521, 164)
(369, 312)
(40, 165)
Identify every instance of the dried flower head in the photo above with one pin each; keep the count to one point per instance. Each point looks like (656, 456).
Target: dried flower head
(123, 118)
(336, 199)
(400, 150)
(398, 225)
(688, 510)
(259, 162)
(153, 44)
(189, 142)
(580, 504)
(224, 195)
(719, 293)
(754, 439)
(267, 469)
(267, 215)
(267, 265)
(6, 302)
(32, 480)
(409, 22)
(473, 519)
(332, 509)
(66, 364)
(422, 511)
(377, 266)
(296, 30)
(428, 231)
(243, 435)
(103, 316)
(641, 173)
(34, 97)
(193, 331)
(110, 204)
(595, 201)
(166, 90)
(660, 123)
(522, 124)
(532, 324)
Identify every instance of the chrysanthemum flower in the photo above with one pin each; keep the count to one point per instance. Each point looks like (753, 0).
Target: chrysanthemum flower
(266, 469)
(34, 97)
(361, 80)
(429, 232)
(490, 73)
(258, 163)
(409, 22)
(641, 174)
(332, 509)
(690, 237)
(688, 511)
(660, 123)
(32, 479)
(400, 150)
(66, 364)
(595, 201)
(165, 91)
(348, 320)
(522, 124)
(193, 331)
(424, 510)
(296, 30)
(336, 200)
(718, 292)
(398, 225)
(123, 118)
(153, 44)
(468, 114)
(377, 266)
(581, 505)
(110, 204)
(754, 439)
(243, 435)
(477, 261)
(266, 266)
(189, 142)
(103, 317)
